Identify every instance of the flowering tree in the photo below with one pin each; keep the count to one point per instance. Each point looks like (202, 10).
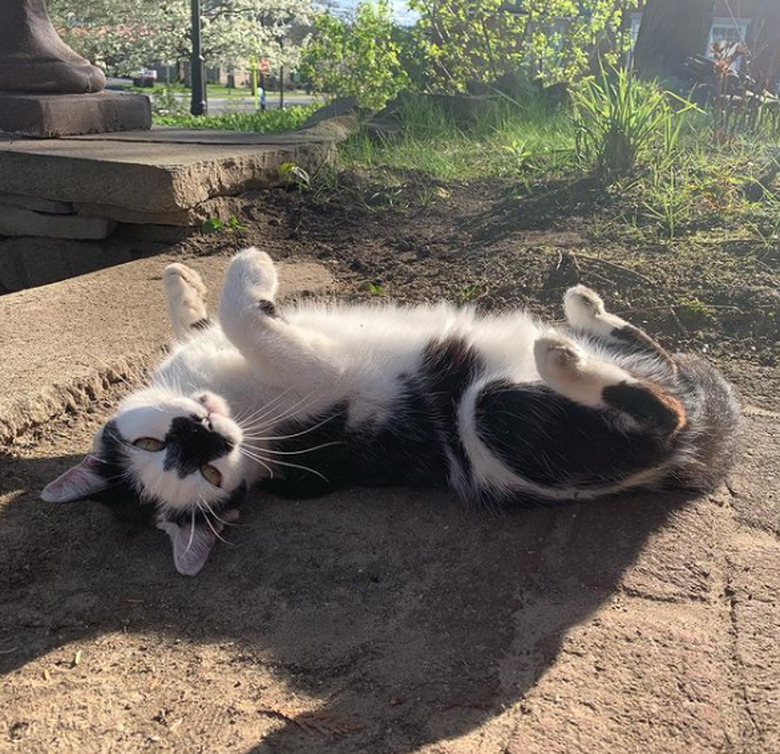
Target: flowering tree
(358, 57)
(552, 40)
(233, 31)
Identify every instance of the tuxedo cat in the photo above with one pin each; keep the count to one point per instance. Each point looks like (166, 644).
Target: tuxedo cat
(310, 398)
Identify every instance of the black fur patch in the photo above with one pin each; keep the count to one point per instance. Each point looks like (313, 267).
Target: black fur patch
(201, 324)
(121, 495)
(644, 405)
(408, 449)
(555, 442)
(640, 339)
(449, 367)
(268, 308)
(191, 444)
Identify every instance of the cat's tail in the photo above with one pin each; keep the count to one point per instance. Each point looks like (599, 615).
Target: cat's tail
(707, 449)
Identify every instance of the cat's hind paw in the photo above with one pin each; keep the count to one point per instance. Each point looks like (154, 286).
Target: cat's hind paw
(585, 311)
(566, 368)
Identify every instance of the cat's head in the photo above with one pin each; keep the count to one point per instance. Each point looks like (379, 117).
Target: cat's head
(172, 458)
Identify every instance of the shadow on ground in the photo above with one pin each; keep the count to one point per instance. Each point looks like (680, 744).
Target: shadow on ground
(409, 619)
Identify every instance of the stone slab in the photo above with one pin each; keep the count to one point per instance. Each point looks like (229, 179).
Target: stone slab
(62, 341)
(38, 205)
(154, 173)
(55, 115)
(174, 135)
(221, 207)
(30, 262)
(24, 222)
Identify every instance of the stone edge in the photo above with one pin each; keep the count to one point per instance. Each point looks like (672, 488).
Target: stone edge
(33, 411)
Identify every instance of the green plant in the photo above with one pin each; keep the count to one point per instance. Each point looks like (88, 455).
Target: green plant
(271, 121)
(507, 140)
(358, 58)
(214, 225)
(545, 40)
(165, 103)
(295, 175)
(617, 116)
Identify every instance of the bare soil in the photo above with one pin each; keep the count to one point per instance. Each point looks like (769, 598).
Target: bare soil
(394, 620)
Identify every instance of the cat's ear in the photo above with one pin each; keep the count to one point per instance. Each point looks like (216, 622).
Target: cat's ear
(77, 483)
(192, 545)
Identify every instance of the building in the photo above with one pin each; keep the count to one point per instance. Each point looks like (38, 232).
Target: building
(730, 23)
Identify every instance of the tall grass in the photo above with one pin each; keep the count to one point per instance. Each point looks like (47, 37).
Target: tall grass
(618, 117)
(504, 140)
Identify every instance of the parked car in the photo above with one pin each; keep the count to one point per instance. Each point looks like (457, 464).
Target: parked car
(145, 77)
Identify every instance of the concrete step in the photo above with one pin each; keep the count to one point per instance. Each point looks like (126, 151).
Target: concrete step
(65, 343)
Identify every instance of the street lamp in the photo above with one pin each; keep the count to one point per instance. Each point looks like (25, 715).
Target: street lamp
(198, 105)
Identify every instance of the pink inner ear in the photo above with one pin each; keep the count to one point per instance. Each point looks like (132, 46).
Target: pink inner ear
(75, 484)
(191, 545)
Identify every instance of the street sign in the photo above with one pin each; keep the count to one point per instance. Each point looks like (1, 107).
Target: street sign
(265, 66)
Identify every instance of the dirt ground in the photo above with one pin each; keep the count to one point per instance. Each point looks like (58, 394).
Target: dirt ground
(395, 620)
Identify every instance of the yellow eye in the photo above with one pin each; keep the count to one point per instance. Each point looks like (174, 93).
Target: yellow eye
(211, 475)
(149, 443)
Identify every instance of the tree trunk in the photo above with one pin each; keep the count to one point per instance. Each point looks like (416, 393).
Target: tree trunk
(671, 31)
(764, 44)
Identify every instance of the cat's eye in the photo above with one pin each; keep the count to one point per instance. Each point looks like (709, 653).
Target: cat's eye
(149, 443)
(211, 475)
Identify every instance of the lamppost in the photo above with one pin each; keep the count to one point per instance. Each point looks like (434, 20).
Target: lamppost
(198, 105)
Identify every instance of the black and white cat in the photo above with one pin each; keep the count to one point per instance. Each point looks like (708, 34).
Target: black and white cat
(316, 397)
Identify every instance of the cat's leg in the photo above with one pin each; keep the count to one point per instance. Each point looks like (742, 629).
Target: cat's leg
(566, 368)
(587, 429)
(186, 297)
(285, 355)
(585, 311)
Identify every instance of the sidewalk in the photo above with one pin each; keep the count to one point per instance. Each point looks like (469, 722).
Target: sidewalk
(69, 341)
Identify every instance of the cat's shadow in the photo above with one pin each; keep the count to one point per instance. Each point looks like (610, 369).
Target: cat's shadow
(407, 615)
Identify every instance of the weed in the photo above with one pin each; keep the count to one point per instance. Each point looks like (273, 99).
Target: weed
(617, 117)
(214, 225)
(295, 175)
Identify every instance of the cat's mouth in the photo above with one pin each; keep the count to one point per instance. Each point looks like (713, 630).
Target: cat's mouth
(214, 405)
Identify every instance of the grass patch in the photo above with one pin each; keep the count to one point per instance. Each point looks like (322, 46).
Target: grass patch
(271, 121)
(506, 140)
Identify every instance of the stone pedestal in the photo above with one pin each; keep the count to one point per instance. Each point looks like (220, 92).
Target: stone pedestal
(53, 115)
(47, 89)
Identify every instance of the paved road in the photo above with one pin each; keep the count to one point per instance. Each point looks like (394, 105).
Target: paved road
(247, 104)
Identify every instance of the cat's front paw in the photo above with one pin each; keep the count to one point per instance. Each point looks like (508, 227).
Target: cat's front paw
(557, 357)
(252, 276)
(186, 296)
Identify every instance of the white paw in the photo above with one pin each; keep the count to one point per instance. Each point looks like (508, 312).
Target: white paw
(252, 274)
(582, 307)
(565, 367)
(557, 358)
(186, 296)
(178, 278)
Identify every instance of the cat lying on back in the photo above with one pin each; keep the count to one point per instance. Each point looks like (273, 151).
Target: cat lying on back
(315, 397)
